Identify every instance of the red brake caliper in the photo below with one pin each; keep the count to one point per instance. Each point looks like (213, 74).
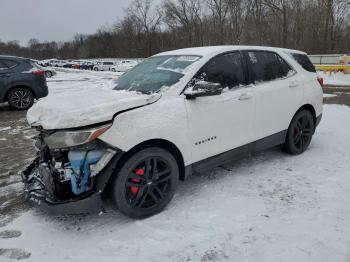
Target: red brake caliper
(139, 172)
(295, 132)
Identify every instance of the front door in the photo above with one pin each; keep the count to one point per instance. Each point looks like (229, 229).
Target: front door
(220, 123)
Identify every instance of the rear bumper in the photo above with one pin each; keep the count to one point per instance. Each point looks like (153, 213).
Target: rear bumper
(41, 91)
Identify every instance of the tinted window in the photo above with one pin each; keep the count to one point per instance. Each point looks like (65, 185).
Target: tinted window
(2, 65)
(267, 66)
(225, 69)
(304, 61)
(155, 73)
(10, 63)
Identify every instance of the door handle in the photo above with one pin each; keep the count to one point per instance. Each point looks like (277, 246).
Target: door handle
(245, 96)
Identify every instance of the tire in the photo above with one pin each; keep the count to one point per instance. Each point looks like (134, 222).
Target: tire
(113, 70)
(300, 132)
(48, 74)
(20, 98)
(95, 69)
(138, 191)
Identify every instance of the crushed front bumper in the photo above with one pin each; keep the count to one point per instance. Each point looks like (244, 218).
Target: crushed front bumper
(36, 178)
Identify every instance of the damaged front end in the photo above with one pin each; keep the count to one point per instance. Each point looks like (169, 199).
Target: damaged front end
(70, 170)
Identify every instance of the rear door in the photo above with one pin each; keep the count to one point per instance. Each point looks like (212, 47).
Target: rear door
(278, 89)
(6, 71)
(222, 122)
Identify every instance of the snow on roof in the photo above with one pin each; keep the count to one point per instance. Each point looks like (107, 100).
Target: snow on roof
(209, 51)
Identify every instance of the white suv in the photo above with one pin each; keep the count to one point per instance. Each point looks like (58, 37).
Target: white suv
(176, 113)
(103, 66)
(124, 65)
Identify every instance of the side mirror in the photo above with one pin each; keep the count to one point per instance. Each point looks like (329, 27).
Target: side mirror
(203, 88)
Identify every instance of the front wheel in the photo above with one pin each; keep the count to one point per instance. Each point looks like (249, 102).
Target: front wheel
(146, 183)
(300, 133)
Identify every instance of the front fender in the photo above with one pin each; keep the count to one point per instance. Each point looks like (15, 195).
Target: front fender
(166, 120)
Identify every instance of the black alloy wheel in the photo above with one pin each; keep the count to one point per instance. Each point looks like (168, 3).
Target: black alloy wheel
(300, 133)
(20, 98)
(146, 183)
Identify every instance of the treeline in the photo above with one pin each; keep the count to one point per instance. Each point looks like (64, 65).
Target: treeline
(315, 26)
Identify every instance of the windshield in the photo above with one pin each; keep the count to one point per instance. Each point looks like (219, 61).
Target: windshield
(154, 73)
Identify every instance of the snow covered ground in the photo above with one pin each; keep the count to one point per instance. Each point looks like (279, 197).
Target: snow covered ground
(76, 80)
(266, 207)
(336, 79)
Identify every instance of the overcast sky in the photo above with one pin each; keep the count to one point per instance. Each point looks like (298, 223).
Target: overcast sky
(56, 20)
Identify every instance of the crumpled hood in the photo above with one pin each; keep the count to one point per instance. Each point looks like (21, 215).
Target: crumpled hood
(76, 109)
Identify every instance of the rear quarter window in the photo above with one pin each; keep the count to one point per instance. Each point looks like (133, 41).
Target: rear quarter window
(304, 61)
(267, 66)
(11, 64)
(3, 66)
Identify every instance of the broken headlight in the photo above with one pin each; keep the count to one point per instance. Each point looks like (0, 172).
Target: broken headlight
(63, 139)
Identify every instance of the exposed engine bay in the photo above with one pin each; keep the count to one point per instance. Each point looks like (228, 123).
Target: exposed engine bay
(63, 175)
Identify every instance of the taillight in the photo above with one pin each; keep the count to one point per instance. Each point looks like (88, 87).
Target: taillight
(320, 80)
(38, 72)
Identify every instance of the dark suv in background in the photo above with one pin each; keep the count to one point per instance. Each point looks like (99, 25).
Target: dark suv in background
(21, 81)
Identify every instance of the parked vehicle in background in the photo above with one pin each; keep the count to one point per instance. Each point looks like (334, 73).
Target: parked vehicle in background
(68, 64)
(49, 72)
(76, 66)
(58, 63)
(87, 66)
(148, 133)
(21, 81)
(103, 66)
(124, 65)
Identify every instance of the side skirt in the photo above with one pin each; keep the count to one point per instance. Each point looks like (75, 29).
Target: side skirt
(236, 153)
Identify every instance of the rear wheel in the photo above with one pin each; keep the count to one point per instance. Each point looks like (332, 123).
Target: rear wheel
(300, 133)
(20, 98)
(48, 74)
(146, 183)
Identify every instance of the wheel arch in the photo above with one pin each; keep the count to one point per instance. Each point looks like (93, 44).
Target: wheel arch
(162, 143)
(19, 86)
(309, 108)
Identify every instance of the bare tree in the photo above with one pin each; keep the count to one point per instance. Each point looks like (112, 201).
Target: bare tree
(280, 9)
(237, 16)
(185, 14)
(315, 26)
(147, 18)
(219, 10)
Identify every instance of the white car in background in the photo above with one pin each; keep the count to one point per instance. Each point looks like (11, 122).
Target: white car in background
(175, 113)
(103, 66)
(124, 65)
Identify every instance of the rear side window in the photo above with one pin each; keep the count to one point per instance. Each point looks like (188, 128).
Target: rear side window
(304, 61)
(267, 66)
(10, 63)
(3, 66)
(225, 69)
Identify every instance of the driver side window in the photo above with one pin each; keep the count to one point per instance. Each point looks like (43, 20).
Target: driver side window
(226, 70)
